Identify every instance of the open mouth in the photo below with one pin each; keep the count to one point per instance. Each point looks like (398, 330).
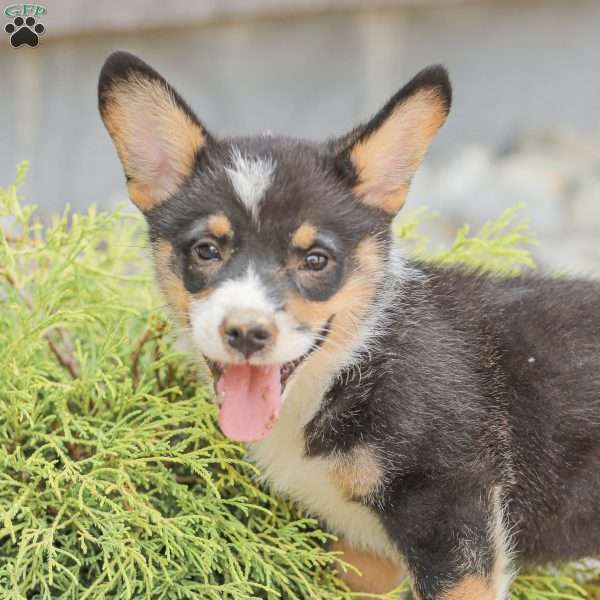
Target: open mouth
(249, 396)
(285, 371)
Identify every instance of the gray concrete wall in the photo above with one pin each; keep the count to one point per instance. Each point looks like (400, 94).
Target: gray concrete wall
(516, 65)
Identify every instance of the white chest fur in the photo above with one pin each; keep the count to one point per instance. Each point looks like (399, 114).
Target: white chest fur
(309, 480)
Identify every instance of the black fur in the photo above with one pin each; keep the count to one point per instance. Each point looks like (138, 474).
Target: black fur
(482, 382)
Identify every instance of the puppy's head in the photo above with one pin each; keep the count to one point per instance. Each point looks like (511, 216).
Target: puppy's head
(270, 250)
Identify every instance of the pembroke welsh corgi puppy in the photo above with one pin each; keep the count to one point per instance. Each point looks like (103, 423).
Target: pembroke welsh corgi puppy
(441, 422)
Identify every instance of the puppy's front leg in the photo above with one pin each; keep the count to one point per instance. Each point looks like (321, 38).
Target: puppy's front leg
(455, 543)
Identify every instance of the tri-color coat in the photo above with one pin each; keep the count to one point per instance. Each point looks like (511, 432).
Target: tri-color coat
(440, 421)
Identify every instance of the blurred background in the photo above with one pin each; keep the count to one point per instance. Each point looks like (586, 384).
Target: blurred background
(525, 124)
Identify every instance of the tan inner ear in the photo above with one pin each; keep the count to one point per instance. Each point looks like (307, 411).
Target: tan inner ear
(388, 158)
(156, 140)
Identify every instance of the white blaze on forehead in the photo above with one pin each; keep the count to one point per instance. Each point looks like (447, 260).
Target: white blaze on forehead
(251, 178)
(247, 293)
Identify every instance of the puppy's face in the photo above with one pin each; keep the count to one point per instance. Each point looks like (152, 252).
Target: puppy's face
(269, 249)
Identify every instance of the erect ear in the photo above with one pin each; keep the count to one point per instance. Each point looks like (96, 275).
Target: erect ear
(156, 134)
(385, 152)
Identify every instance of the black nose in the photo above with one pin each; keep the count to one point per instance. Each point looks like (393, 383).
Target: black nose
(247, 339)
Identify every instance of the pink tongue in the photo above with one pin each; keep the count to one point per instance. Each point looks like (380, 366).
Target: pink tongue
(250, 399)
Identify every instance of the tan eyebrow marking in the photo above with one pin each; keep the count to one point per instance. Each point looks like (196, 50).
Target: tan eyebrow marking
(304, 237)
(220, 226)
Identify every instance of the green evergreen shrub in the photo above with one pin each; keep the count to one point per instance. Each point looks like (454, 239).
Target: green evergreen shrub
(114, 480)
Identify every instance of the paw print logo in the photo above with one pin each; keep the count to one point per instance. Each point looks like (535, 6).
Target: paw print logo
(24, 31)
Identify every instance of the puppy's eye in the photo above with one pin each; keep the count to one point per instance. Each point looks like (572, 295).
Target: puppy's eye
(206, 251)
(315, 260)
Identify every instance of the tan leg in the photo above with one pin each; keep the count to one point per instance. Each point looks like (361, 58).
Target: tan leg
(377, 575)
